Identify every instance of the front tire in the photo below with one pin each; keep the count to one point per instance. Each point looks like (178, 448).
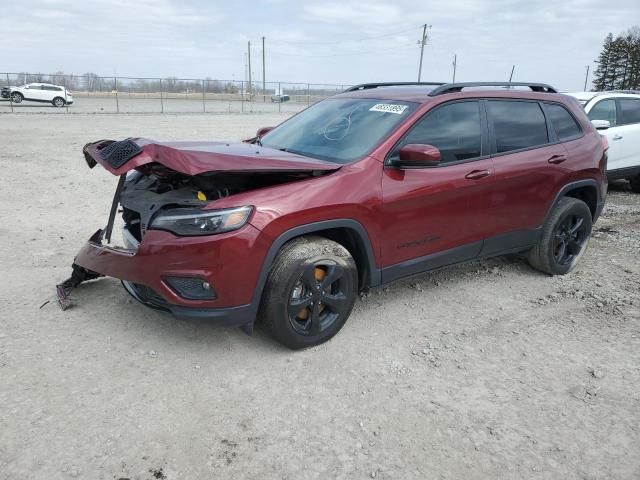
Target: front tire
(17, 97)
(310, 292)
(635, 184)
(58, 102)
(565, 237)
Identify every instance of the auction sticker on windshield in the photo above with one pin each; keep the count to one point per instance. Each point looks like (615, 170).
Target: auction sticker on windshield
(388, 108)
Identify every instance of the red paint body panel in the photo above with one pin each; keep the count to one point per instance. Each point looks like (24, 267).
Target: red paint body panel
(525, 186)
(433, 209)
(353, 192)
(193, 158)
(231, 263)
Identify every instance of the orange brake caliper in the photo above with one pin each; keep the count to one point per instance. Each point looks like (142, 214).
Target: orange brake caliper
(319, 273)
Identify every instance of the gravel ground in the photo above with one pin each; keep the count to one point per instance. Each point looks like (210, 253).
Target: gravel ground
(487, 370)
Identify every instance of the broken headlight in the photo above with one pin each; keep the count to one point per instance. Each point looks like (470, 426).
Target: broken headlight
(190, 222)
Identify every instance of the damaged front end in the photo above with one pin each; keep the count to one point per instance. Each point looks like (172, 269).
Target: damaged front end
(172, 233)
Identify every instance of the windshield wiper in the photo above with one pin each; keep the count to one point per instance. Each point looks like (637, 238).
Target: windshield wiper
(296, 152)
(305, 154)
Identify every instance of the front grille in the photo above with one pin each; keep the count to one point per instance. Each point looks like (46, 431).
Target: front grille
(117, 154)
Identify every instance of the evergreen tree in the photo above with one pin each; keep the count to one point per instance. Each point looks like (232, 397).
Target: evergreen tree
(619, 62)
(601, 75)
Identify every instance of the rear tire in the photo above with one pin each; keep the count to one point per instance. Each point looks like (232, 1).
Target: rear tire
(565, 237)
(310, 292)
(58, 102)
(17, 97)
(635, 184)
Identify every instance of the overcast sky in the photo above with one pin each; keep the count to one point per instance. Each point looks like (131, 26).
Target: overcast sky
(320, 41)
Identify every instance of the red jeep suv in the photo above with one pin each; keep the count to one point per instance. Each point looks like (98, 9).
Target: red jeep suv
(377, 183)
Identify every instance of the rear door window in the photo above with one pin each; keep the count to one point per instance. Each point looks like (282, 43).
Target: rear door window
(604, 110)
(630, 110)
(517, 125)
(562, 121)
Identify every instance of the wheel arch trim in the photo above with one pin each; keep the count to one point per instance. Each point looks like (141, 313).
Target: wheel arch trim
(590, 182)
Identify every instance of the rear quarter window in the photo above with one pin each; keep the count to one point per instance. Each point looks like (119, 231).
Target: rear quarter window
(563, 123)
(517, 125)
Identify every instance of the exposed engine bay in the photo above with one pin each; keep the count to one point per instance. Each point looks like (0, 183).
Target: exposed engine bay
(154, 187)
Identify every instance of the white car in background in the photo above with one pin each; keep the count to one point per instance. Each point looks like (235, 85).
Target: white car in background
(56, 95)
(617, 115)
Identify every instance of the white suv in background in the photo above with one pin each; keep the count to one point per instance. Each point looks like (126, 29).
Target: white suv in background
(617, 115)
(42, 92)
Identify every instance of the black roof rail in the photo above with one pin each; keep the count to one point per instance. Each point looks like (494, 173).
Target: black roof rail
(457, 87)
(367, 86)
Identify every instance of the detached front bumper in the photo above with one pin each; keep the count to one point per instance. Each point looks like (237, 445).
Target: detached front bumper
(224, 261)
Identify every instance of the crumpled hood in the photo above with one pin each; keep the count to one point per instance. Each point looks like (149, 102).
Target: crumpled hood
(193, 158)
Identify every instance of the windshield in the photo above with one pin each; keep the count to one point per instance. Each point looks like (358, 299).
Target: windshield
(339, 129)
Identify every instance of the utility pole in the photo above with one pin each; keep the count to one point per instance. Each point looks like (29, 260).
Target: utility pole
(586, 77)
(422, 44)
(455, 64)
(245, 73)
(249, 60)
(512, 70)
(264, 96)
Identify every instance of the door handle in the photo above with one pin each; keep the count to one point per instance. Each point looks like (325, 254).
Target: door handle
(557, 159)
(617, 137)
(477, 174)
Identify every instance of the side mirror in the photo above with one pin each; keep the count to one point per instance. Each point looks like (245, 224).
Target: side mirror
(263, 131)
(416, 155)
(601, 124)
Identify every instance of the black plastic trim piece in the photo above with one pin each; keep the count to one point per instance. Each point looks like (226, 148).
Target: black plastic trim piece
(114, 208)
(229, 316)
(457, 87)
(503, 244)
(572, 186)
(432, 261)
(117, 154)
(511, 241)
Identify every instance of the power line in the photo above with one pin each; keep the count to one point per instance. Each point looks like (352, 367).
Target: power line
(365, 52)
(343, 41)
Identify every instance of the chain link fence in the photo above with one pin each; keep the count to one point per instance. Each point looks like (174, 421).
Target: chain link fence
(95, 94)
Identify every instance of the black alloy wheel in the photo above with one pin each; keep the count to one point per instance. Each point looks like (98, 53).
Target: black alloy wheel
(569, 238)
(310, 291)
(564, 238)
(318, 299)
